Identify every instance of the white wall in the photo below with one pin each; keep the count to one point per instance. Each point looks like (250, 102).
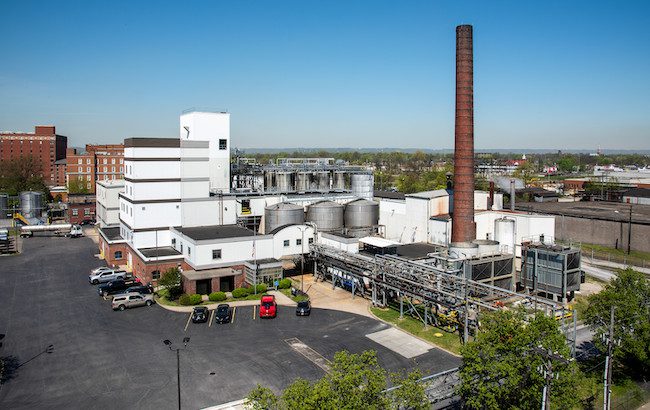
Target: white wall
(292, 233)
(440, 231)
(154, 215)
(108, 203)
(209, 211)
(636, 200)
(347, 247)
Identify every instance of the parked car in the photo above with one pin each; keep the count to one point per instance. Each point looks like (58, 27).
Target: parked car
(113, 287)
(268, 306)
(144, 289)
(100, 269)
(303, 308)
(129, 300)
(223, 313)
(87, 222)
(106, 276)
(200, 314)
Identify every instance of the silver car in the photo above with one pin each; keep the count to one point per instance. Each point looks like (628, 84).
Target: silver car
(132, 299)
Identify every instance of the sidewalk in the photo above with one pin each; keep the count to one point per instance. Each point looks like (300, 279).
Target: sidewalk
(614, 265)
(322, 296)
(280, 298)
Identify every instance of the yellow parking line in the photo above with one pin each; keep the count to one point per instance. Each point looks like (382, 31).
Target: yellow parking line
(211, 317)
(188, 322)
(234, 310)
(254, 307)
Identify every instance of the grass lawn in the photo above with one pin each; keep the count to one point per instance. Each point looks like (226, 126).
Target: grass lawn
(599, 250)
(446, 340)
(299, 298)
(163, 300)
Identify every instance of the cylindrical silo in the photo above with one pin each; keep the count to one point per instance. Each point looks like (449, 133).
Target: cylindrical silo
(283, 213)
(302, 181)
(487, 247)
(268, 181)
(283, 181)
(361, 213)
(323, 178)
(327, 215)
(31, 204)
(4, 205)
(504, 233)
(339, 180)
(362, 185)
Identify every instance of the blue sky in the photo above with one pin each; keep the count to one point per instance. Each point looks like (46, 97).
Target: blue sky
(552, 74)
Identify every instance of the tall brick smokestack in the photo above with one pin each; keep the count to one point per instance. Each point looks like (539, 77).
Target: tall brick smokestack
(463, 226)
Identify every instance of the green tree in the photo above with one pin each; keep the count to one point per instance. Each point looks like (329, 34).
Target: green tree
(629, 294)
(526, 172)
(410, 392)
(171, 278)
(22, 174)
(499, 369)
(77, 186)
(355, 381)
(567, 163)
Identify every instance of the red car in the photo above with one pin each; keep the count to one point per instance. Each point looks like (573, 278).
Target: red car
(268, 307)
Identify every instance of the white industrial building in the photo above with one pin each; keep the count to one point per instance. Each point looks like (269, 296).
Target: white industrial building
(108, 202)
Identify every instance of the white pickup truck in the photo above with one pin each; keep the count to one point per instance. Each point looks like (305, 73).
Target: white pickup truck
(106, 275)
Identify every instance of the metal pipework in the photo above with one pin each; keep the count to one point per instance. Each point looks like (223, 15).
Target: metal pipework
(463, 226)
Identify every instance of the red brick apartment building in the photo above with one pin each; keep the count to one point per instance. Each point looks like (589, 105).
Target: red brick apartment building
(43, 144)
(96, 163)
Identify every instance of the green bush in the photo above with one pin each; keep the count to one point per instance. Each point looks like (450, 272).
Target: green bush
(217, 296)
(174, 292)
(240, 293)
(261, 288)
(285, 284)
(195, 299)
(184, 299)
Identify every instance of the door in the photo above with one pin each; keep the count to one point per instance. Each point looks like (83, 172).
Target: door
(204, 286)
(227, 283)
(136, 301)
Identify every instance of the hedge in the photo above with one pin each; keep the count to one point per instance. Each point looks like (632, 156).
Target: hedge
(240, 292)
(285, 284)
(261, 288)
(195, 299)
(189, 300)
(217, 296)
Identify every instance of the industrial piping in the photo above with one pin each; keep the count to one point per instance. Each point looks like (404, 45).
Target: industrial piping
(463, 225)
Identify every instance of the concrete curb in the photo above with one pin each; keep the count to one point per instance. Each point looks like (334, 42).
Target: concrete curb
(415, 336)
(280, 298)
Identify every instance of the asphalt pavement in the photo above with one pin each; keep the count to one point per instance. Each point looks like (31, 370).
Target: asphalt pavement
(104, 359)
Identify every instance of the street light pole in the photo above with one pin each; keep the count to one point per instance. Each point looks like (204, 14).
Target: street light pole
(168, 343)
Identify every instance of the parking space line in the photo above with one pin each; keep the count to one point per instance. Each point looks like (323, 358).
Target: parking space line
(211, 317)
(254, 307)
(234, 310)
(188, 322)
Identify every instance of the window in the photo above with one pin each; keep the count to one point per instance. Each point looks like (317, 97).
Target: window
(105, 169)
(112, 160)
(104, 160)
(121, 161)
(155, 275)
(86, 211)
(87, 169)
(189, 251)
(286, 243)
(80, 161)
(174, 243)
(298, 242)
(75, 212)
(223, 144)
(181, 248)
(112, 169)
(216, 254)
(310, 241)
(87, 160)
(118, 255)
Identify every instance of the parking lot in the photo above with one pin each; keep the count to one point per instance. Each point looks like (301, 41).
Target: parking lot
(108, 359)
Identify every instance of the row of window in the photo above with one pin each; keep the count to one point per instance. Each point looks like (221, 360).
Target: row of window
(287, 242)
(75, 211)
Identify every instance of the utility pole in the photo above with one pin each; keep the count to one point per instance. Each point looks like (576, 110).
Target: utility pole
(629, 231)
(546, 370)
(607, 378)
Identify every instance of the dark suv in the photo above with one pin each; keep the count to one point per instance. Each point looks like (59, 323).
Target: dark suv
(142, 289)
(223, 314)
(112, 287)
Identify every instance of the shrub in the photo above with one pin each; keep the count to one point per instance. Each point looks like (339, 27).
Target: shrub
(184, 299)
(285, 284)
(240, 293)
(217, 296)
(174, 292)
(261, 288)
(195, 299)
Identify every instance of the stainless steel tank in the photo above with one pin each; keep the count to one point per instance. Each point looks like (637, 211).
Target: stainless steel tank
(323, 178)
(340, 180)
(487, 247)
(283, 213)
(361, 213)
(31, 204)
(268, 181)
(362, 185)
(327, 215)
(504, 233)
(283, 181)
(302, 181)
(4, 206)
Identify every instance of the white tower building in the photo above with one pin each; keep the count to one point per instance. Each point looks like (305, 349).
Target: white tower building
(213, 127)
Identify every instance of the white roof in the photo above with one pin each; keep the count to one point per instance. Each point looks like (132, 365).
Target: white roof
(429, 194)
(378, 242)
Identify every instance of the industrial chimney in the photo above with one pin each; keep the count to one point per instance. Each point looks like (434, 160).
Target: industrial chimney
(463, 226)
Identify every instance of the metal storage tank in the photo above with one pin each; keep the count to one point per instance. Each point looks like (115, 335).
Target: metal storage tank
(283, 213)
(504, 233)
(4, 205)
(463, 250)
(339, 180)
(268, 181)
(31, 204)
(361, 213)
(362, 185)
(323, 178)
(283, 181)
(302, 181)
(327, 215)
(487, 247)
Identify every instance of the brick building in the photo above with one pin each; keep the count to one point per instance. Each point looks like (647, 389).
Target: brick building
(43, 144)
(81, 207)
(95, 163)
